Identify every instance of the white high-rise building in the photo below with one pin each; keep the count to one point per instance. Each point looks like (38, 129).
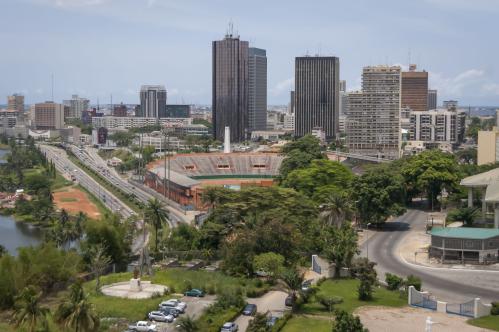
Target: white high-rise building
(373, 114)
(152, 101)
(76, 106)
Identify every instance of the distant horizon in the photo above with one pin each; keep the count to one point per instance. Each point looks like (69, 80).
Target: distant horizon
(95, 48)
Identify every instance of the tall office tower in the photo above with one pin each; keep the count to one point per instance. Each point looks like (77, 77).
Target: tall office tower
(15, 102)
(230, 87)
(317, 95)
(343, 86)
(373, 115)
(432, 99)
(292, 102)
(48, 115)
(257, 89)
(76, 106)
(415, 89)
(152, 101)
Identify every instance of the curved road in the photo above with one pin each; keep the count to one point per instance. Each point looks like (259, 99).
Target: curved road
(446, 284)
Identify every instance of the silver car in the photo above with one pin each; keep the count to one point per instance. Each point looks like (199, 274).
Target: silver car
(159, 316)
(229, 327)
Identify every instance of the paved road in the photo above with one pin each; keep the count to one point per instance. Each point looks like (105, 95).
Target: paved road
(447, 284)
(272, 302)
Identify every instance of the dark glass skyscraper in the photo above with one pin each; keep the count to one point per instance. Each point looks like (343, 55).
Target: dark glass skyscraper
(230, 88)
(317, 95)
(257, 85)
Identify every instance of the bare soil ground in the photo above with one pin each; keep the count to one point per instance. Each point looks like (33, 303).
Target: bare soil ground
(74, 200)
(407, 319)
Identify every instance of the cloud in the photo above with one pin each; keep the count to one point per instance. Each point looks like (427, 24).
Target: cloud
(459, 85)
(283, 86)
(491, 88)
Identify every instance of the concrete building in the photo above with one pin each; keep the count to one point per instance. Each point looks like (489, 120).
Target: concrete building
(120, 110)
(152, 101)
(178, 111)
(432, 99)
(488, 146)
(437, 126)
(15, 102)
(373, 114)
(317, 95)
(9, 118)
(48, 115)
(414, 93)
(257, 89)
(76, 106)
(112, 122)
(289, 122)
(230, 87)
(449, 104)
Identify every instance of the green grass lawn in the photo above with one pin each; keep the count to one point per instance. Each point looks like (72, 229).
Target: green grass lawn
(210, 322)
(68, 199)
(487, 322)
(60, 182)
(301, 324)
(108, 306)
(347, 289)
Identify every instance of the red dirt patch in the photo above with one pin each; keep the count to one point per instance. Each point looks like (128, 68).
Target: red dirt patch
(74, 200)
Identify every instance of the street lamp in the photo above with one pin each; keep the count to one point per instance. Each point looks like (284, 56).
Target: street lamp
(367, 241)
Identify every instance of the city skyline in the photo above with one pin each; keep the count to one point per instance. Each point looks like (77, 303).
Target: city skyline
(176, 37)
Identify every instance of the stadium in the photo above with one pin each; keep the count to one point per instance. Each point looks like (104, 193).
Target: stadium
(190, 174)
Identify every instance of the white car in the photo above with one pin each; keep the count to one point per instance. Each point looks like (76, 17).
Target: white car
(159, 316)
(178, 303)
(143, 326)
(229, 327)
(173, 304)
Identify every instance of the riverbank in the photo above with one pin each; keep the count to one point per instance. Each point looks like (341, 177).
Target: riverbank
(15, 234)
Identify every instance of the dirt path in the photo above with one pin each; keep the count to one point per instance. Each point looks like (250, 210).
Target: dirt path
(409, 319)
(74, 200)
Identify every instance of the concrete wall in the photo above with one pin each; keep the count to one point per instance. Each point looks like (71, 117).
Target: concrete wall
(486, 147)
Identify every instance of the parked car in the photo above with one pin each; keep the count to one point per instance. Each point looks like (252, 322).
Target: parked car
(169, 311)
(289, 301)
(180, 306)
(143, 326)
(249, 310)
(168, 304)
(160, 316)
(305, 286)
(272, 320)
(194, 292)
(229, 327)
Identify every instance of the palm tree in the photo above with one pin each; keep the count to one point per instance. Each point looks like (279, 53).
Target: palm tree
(157, 215)
(28, 312)
(336, 209)
(187, 324)
(77, 313)
(293, 279)
(98, 263)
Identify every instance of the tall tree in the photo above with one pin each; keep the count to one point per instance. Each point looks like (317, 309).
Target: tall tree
(28, 312)
(157, 216)
(187, 324)
(336, 209)
(339, 246)
(299, 154)
(77, 313)
(99, 261)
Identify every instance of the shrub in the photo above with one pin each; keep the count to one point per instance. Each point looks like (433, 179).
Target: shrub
(346, 322)
(495, 308)
(412, 280)
(393, 281)
(210, 289)
(187, 285)
(329, 301)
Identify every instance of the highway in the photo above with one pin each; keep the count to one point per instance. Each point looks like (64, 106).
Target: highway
(66, 166)
(90, 157)
(445, 283)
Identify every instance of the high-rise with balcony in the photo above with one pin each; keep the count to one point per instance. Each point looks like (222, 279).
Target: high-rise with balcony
(15, 102)
(230, 87)
(414, 89)
(317, 95)
(257, 89)
(152, 101)
(76, 106)
(373, 114)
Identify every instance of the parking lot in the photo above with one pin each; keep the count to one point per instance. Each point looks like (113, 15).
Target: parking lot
(195, 308)
(272, 302)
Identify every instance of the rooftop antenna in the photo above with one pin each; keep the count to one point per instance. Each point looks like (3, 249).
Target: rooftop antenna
(52, 81)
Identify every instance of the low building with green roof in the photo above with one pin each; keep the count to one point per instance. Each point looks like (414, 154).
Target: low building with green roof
(465, 245)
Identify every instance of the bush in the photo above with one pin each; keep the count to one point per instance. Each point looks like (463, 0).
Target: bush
(412, 280)
(393, 281)
(495, 308)
(346, 322)
(210, 289)
(329, 301)
(186, 286)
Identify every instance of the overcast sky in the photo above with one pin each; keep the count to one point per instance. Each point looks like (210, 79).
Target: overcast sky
(100, 47)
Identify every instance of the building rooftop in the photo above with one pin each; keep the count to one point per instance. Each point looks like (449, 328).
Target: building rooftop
(466, 233)
(175, 177)
(482, 179)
